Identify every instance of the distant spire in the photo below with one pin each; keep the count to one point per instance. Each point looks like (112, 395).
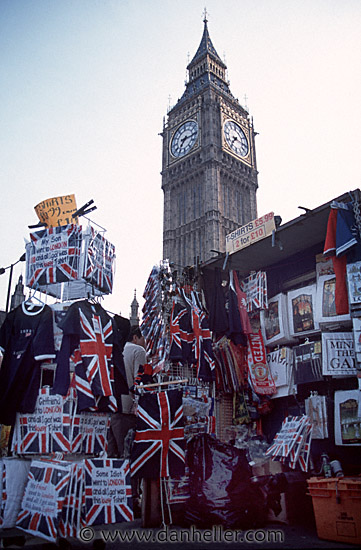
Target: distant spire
(134, 308)
(205, 69)
(206, 47)
(18, 295)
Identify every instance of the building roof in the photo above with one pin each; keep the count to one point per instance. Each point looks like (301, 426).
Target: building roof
(294, 237)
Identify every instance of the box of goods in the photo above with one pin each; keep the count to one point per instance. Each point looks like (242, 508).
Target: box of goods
(337, 508)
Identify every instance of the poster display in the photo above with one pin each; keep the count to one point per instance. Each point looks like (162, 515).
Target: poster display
(326, 302)
(354, 282)
(301, 311)
(274, 321)
(348, 417)
(338, 354)
(356, 326)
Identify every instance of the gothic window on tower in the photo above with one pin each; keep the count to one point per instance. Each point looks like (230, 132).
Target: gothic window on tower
(184, 207)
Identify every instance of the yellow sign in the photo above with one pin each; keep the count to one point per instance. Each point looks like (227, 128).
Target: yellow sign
(250, 233)
(57, 211)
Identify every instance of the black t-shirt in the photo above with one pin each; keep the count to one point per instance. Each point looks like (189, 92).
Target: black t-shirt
(26, 339)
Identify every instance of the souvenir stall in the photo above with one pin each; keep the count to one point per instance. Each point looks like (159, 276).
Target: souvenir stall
(304, 385)
(201, 360)
(60, 379)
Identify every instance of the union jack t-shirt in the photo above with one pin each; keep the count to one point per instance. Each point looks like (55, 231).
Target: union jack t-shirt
(88, 342)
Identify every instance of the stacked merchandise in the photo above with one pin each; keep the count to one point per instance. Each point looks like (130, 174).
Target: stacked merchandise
(242, 372)
(70, 262)
(320, 338)
(61, 377)
(292, 444)
(62, 496)
(153, 326)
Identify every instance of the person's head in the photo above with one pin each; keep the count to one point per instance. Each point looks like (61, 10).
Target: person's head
(136, 337)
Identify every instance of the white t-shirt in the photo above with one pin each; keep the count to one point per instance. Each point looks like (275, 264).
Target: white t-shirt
(134, 356)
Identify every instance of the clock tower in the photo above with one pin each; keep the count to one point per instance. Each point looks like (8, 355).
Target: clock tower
(209, 172)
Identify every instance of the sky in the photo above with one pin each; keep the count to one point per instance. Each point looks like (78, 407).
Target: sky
(85, 86)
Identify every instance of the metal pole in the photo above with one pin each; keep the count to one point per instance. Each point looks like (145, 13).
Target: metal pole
(9, 287)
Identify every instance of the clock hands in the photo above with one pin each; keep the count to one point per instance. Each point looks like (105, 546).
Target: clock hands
(187, 137)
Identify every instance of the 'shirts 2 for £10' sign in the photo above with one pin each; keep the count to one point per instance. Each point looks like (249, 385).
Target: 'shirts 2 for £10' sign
(250, 233)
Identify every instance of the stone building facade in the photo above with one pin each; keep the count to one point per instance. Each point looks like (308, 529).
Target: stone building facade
(209, 171)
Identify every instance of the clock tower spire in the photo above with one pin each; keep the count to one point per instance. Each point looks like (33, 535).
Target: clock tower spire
(209, 173)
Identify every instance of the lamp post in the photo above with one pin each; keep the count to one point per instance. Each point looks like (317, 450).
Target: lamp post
(2, 271)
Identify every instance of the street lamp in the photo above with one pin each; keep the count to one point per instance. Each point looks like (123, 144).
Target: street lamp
(2, 271)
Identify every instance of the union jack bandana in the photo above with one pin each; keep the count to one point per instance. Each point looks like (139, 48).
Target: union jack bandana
(100, 257)
(44, 498)
(53, 256)
(159, 439)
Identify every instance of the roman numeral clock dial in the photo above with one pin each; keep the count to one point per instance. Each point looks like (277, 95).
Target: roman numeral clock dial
(184, 139)
(236, 138)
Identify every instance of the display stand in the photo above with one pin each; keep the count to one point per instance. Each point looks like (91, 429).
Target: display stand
(67, 263)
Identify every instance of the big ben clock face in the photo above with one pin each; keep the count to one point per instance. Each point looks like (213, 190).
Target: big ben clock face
(184, 138)
(236, 138)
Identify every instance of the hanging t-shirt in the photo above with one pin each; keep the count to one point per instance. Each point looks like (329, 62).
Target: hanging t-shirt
(88, 341)
(26, 339)
(340, 243)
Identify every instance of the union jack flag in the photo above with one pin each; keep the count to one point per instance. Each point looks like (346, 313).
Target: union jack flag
(158, 448)
(181, 334)
(202, 345)
(44, 497)
(108, 492)
(99, 265)
(53, 255)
